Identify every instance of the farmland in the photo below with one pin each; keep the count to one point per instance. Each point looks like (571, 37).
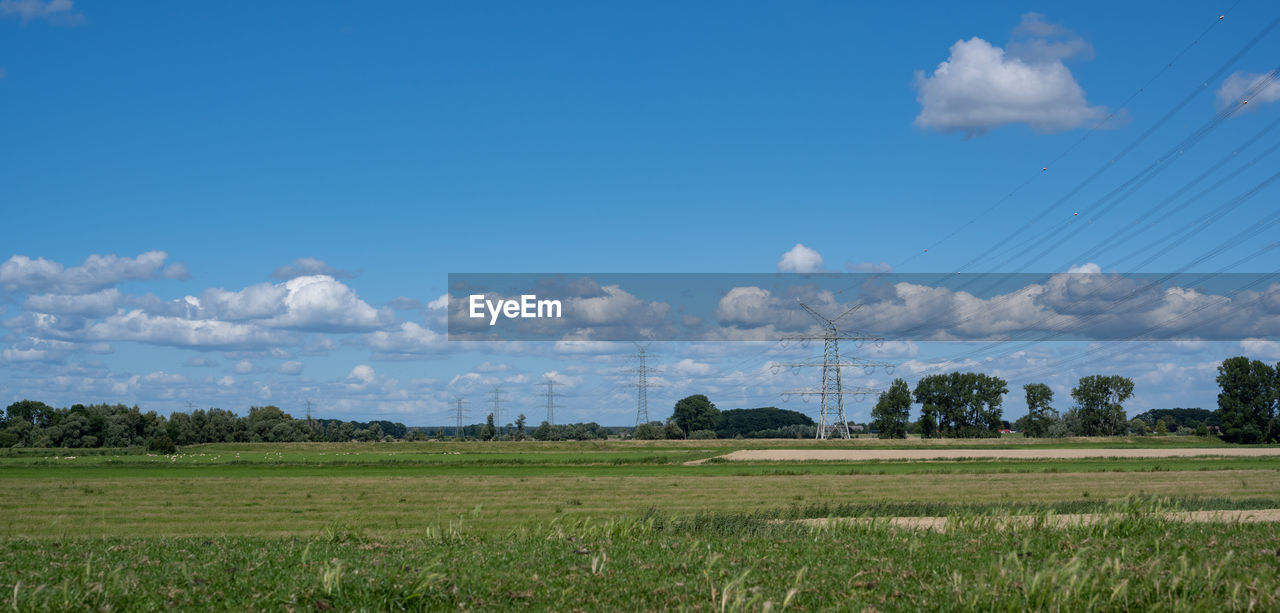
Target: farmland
(605, 525)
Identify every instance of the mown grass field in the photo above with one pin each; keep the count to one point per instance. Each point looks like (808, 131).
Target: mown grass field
(621, 525)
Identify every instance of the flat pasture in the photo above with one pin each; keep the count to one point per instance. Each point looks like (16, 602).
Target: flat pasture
(645, 525)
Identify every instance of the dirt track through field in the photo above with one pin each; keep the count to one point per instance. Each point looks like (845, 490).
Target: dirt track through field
(1067, 519)
(856, 455)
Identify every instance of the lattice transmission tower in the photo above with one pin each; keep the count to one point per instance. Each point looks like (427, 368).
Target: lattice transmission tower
(642, 383)
(497, 408)
(459, 412)
(551, 400)
(831, 415)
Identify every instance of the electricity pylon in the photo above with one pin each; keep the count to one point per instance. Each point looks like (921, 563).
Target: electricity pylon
(497, 407)
(831, 404)
(459, 413)
(551, 400)
(642, 383)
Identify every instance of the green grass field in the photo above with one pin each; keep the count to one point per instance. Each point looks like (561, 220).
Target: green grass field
(622, 526)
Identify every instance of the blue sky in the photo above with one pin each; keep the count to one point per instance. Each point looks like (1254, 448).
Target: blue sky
(203, 151)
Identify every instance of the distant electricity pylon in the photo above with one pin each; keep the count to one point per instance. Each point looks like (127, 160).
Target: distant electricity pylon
(551, 400)
(831, 405)
(497, 407)
(459, 413)
(642, 383)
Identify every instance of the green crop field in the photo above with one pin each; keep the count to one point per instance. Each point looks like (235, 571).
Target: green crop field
(625, 525)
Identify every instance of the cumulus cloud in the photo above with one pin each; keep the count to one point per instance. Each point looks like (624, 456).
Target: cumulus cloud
(94, 304)
(1259, 348)
(312, 303)
(322, 303)
(981, 86)
(60, 12)
(243, 367)
(1078, 305)
(360, 377)
(302, 267)
(1258, 89)
(21, 273)
(405, 342)
(1089, 268)
(800, 259)
(292, 367)
(138, 326)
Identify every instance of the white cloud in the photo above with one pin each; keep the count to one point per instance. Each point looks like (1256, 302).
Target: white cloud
(311, 303)
(981, 86)
(140, 327)
(243, 367)
(34, 349)
(320, 346)
(408, 341)
(563, 379)
(1036, 40)
(201, 362)
(491, 367)
(21, 273)
(690, 368)
(868, 267)
(1259, 88)
(360, 378)
(322, 303)
(95, 304)
(61, 12)
(1090, 268)
(1258, 348)
(800, 259)
(292, 367)
(747, 305)
(302, 267)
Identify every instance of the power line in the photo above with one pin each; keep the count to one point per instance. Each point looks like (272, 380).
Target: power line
(1159, 123)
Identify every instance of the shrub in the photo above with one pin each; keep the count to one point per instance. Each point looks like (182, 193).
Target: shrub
(162, 444)
(702, 435)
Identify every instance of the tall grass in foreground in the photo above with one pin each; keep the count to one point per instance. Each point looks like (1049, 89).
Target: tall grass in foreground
(710, 562)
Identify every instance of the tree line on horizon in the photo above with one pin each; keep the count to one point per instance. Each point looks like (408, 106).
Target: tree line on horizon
(966, 405)
(30, 423)
(957, 405)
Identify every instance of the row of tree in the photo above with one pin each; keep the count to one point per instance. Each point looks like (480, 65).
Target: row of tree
(696, 417)
(968, 405)
(29, 423)
(958, 404)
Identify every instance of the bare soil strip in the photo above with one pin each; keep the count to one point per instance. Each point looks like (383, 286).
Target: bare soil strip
(856, 455)
(1066, 519)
